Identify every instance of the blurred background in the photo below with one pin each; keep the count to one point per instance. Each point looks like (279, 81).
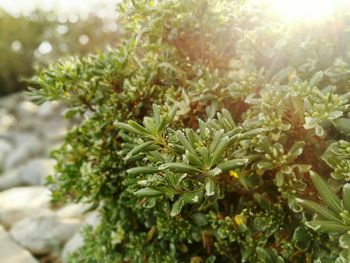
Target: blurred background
(34, 33)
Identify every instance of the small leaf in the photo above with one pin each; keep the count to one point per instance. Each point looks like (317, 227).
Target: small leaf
(327, 226)
(137, 126)
(144, 147)
(214, 172)
(209, 187)
(150, 125)
(316, 79)
(279, 179)
(194, 160)
(342, 125)
(142, 170)
(296, 150)
(216, 140)
(172, 114)
(232, 164)
(147, 192)
(217, 154)
(192, 197)
(179, 168)
(346, 197)
(344, 241)
(185, 143)
(319, 210)
(328, 196)
(177, 206)
(129, 128)
(156, 114)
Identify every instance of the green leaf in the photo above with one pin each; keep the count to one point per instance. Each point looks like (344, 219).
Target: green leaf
(172, 114)
(147, 192)
(194, 160)
(279, 179)
(316, 79)
(327, 226)
(328, 196)
(216, 140)
(129, 128)
(214, 172)
(192, 197)
(185, 143)
(204, 152)
(319, 210)
(177, 206)
(209, 186)
(232, 164)
(346, 197)
(150, 125)
(138, 127)
(179, 168)
(296, 150)
(144, 147)
(344, 241)
(142, 170)
(301, 238)
(342, 125)
(156, 114)
(217, 154)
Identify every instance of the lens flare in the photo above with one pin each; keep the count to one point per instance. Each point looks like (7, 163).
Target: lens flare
(306, 10)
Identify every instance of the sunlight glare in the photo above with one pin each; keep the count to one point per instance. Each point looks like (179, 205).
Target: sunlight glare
(304, 10)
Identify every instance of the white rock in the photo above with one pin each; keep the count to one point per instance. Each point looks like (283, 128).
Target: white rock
(35, 171)
(77, 240)
(5, 149)
(72, 211)
(47, 109)
(20, 202)
(93, 219)
(6, 121)
(27, 145)
(10, 179)
(26, 108)
(10, 252)
(45, 233)
(54, 130)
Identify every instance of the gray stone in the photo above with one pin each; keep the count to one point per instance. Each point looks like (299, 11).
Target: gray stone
(10, 179)
(45, 233)
(6, 121)
(27, 145)
(48, 109)
(54, 130)
(10, 252)
(72, 211)
(77, 240)
(20, 202)
(35, 171)
(26, 109)
(5, 148)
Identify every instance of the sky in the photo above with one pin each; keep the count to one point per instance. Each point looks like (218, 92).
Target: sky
(66, 7)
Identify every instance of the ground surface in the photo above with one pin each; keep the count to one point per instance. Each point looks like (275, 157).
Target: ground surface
(32, 229)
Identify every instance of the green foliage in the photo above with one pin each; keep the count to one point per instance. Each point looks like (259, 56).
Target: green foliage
(21, 37)
(206, 133)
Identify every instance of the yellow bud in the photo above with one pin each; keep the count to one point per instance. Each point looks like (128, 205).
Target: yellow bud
(233, 174)
(239, 219)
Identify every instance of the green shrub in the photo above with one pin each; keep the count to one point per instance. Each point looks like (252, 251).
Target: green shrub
(21, 37)
(207, 134)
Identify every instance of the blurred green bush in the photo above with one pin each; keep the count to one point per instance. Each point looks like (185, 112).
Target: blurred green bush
(29, 42)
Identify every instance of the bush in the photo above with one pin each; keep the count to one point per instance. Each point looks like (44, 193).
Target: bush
(21, 38)
(207, 135)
